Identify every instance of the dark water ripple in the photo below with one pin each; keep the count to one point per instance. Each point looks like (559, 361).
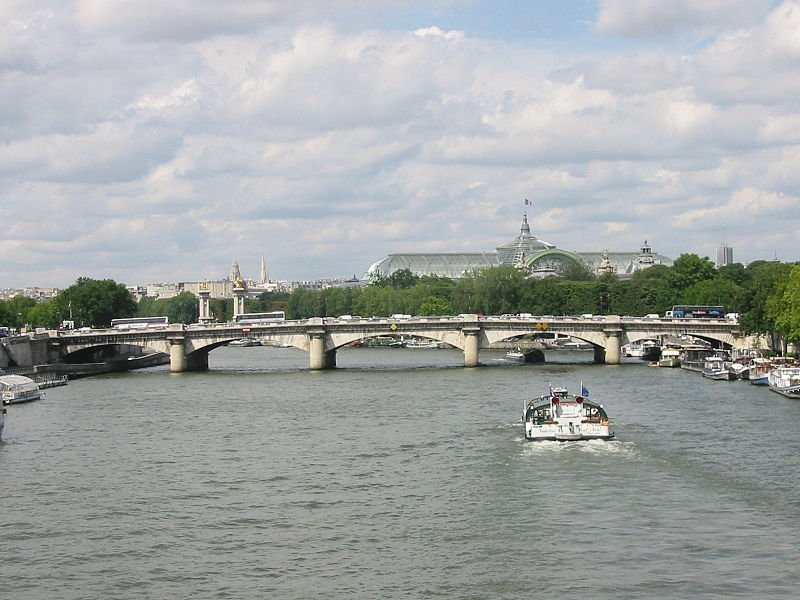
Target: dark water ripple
(394, 478)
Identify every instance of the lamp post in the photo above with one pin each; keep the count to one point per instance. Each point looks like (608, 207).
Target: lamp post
(605, 307)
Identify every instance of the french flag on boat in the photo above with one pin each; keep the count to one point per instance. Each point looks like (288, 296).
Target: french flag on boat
(584, 391)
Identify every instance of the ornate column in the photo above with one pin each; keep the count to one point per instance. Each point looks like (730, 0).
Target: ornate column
(238, 300)
(204, 308)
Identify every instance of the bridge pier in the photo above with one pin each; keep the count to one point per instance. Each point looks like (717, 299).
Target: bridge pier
(179, 361)
(319, 359)
(612, 353)
(177, 356)
(471, 347)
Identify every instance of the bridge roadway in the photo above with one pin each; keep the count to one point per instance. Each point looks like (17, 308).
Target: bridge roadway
(188, 346)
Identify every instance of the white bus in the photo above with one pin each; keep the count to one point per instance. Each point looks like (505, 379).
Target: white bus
(263, 317)
(139, 322)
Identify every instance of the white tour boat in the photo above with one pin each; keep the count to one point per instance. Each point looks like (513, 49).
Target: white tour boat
(786, 381)
(558, 417)
(16, 389)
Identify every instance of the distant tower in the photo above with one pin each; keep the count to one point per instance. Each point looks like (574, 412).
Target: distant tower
(236, 274)
(724, 255)
(262, 278)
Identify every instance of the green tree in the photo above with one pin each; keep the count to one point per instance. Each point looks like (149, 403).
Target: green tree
(435, 305)
(765, 278)
(267, 302)
(717, 291)
(304, 304)
(734, 272)
(402, 278)
(45, 314)
(687, 270)
(491, 291)
(16, 311)
(784, 306)
(221, 309)
(575, 271)
(183, 308)
(94, 302)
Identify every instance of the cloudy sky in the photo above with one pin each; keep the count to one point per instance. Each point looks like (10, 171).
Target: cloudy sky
(157, 140)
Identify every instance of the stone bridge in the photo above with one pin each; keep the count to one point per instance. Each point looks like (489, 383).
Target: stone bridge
(188, 346)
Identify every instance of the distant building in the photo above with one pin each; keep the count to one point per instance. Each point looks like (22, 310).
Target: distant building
(526, 252)
(605, 267)
(724, 255)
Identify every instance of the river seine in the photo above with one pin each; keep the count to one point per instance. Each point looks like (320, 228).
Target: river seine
(400, 474)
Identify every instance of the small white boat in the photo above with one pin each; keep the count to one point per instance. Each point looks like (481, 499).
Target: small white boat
(245, 343)
(417, 344)
(516, 355)
(16, 389)
(558, 417)
(786, 381)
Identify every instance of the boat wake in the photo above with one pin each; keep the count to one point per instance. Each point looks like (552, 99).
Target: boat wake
(596, 447)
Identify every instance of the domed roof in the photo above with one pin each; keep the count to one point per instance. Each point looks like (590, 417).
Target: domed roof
(523, 245)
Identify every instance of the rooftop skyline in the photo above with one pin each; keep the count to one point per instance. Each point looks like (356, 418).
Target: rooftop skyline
(153, 141)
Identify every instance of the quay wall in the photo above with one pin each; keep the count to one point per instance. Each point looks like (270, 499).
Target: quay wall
(25, 351)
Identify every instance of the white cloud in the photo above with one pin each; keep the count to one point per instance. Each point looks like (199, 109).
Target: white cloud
(155, 150)
(660, 17)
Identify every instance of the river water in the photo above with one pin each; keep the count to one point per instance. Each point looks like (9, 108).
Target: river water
(400, 474)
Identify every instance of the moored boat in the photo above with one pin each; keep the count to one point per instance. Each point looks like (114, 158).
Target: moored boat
(693, 357)
(717, 368)
(16, 389)
(785, 381)
(650, 350)
(557, 416)
(670, 357)
(759, 371)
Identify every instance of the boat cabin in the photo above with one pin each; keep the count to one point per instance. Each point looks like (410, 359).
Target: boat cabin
(559, 407)
(15, 389)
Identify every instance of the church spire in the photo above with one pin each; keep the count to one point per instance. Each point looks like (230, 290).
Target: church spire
(235, 272)
(262, 278)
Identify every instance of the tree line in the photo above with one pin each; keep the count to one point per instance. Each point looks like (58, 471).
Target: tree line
(766, 294)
